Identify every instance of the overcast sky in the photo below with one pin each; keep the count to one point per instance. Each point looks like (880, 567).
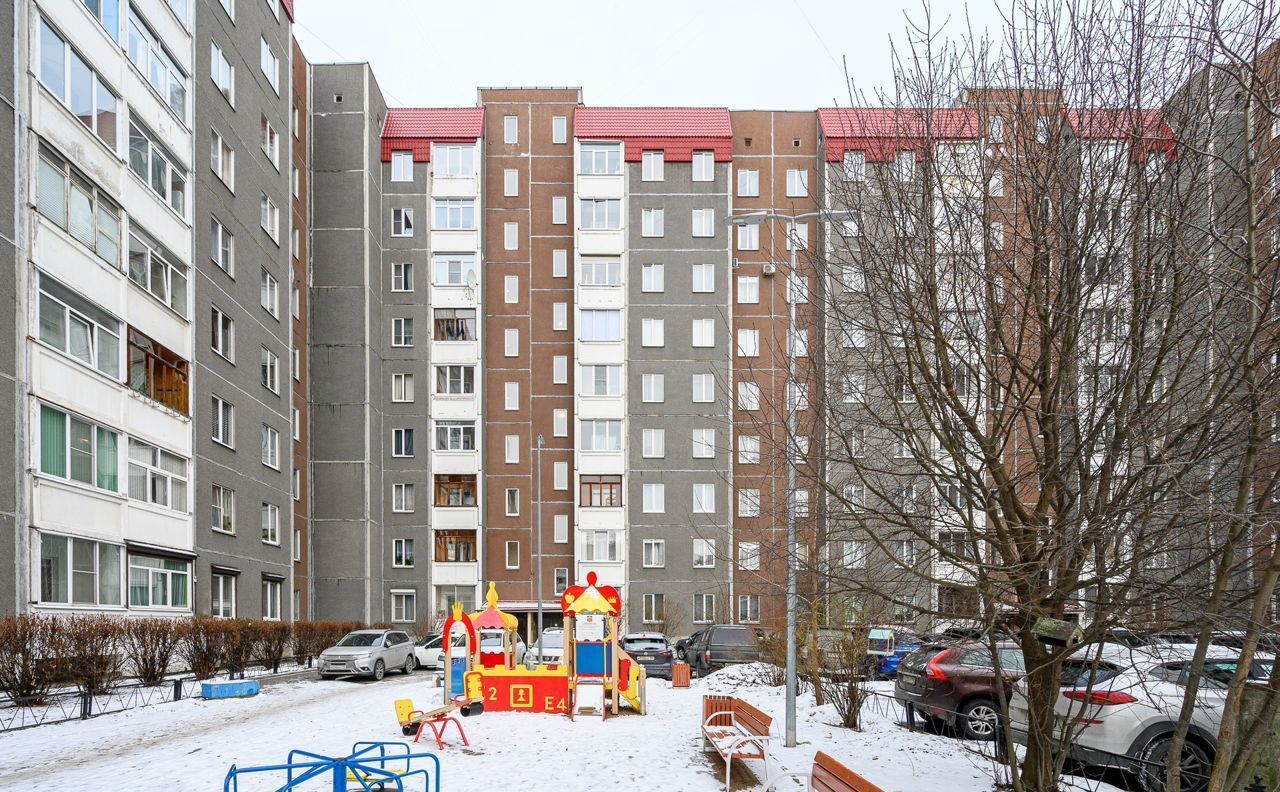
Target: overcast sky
(765, 54)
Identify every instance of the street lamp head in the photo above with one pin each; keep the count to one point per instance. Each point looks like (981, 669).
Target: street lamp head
(747, 220)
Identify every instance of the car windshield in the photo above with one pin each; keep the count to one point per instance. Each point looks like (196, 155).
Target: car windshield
(552, 640)
(918, 659)
(430, 642)
(1010, 659)
(1083, 674)
(644, 644)
(360, 639)
(491, 641)
(734, 637)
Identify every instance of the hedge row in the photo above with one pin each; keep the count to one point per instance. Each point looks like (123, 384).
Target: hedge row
(41, 652)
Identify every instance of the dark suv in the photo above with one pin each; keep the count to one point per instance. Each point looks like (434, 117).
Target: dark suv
(720, 645)
(956, 684)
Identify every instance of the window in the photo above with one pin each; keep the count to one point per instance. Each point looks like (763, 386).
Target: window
(402, 222)
(1042, 130)
(600, 491)
(157, 476)
(798, 342)
(513, 555)
(156, 65)
(270, 370)
(511, 446)
(653, 443)
(748, 183)
(704, 553)
(748, 237)
(704, 333)
(906, 499)
(904, 550)
(600, 434)
(269, 217)
(402, 498)
(511, 396)
(513, 502)
(748, 396)
(703, 390)
(559, 129)
(270, 447)
(79, 572)
(73, 83)
(559, 263)
(855, 497)
(223, 414)
(653, 388)
(224, 509)
(704, 443)
(510, 129)
(904, 166)
(402, 276)
(455, 214)
(600, 380)
(270, 523)
(560, 370)
(455, 490)
(223, 253)
(455, 436)
(404, 606)
(271, 600)
(560, 476)
(748, 502)
(401, 553)
(561, 528)
(455, 546)
(996, 186)
(704, 278)
(855, 389)
(510, 183)
(159, 582)
(997, 236)
(651, 223)
(559, 210)
(559, 316)
(599, 214)
(599, 325)
(74, 326)
(223, 596)
(157, 270)
(402, 331)
(852, 554)
(600, 546)
(704, 222)
(651, 166)
(798, 396)
(269, 296)
(748, 289)
(748, 342)
(654, 497)
(511, 342)
(654, 554)
(652, 332)
(270, 142)
(798, 289)
(704, 498)
(748, 449)
(600, 272)
(560, 422)
(451, 269)
(652, 277)
(704, 608)
(858, 443)
(797, 183)
(157, 167)
(653, 608)
(223, 74)
(995, 129)
(455, 380)
(600, 159)
(295, 364)
(454, 161)
(510, 236)
(748, 608)
(704, 163)
(77, 450)
(402, 166)
(855, 165)
(270, 65)
(402, 442)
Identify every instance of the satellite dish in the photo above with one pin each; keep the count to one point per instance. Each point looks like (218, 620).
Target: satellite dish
(472, 281)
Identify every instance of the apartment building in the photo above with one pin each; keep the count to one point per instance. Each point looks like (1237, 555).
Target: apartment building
(12, 536)
(241, 228)
(299, 312)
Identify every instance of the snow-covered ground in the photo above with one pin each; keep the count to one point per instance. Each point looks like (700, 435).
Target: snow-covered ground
(191, 743)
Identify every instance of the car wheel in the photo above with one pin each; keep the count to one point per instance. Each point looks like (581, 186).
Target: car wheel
(410, 663)
(379, 671)
(1196, 765)
(978, 719)
(417, 664)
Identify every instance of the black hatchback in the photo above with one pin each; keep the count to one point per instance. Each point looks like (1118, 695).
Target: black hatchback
(651, 650)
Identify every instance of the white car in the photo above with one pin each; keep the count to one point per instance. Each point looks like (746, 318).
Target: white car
(551, 649)
(1123, 713)
(430, 655)
(491, 641)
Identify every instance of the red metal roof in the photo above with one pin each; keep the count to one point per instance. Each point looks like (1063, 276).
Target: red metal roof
(677, 131)
(416, 128)
(1146, 129)
(288, 8)
(882, 132)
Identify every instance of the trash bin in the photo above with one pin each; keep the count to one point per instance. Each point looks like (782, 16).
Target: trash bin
(680, 675)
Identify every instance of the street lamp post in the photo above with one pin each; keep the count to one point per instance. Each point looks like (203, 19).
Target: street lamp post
(538, 543)
(759, 218)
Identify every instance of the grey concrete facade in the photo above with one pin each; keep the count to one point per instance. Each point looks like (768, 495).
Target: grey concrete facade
(257, 549)
(11, 537)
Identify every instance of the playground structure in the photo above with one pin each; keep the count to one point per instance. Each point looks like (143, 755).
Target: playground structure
(371, 765)
(595, 670)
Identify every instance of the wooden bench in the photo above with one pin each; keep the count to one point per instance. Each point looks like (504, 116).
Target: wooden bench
(736, 730)
(827, 775)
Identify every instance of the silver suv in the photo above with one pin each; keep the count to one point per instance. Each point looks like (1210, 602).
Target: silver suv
(368, 653)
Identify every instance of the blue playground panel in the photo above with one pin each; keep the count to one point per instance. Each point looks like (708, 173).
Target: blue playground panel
(593, 658)
(238, 689)
(456, 674)
(371, 765)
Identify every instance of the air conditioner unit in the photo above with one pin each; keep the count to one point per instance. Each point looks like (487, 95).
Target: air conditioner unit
(736, 262)
(770, 268)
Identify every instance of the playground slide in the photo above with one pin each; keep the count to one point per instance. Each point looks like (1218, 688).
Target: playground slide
(633, 693)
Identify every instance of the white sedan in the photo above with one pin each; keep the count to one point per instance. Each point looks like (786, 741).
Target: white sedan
(430, 655)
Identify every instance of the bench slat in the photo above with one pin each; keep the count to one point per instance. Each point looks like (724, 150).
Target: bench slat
(829, 775)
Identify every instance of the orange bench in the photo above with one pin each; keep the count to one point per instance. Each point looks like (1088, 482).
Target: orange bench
(735, 730)
(828, 775)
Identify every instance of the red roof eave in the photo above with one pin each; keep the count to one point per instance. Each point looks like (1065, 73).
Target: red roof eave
(676, 131)
(417, 128)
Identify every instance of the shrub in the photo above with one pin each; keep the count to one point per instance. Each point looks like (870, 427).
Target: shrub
(202, 645)
(242, 637)
(271, 641)
(846, 687)
(90, 649)
(25, 643)
(302, 640)
(150, 645)
(773, 651)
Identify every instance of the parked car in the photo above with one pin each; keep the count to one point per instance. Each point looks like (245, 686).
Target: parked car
(682, 647)
(720, 645)
(550, 649)
(491, 641)
(368, 653)
(956, 684)
(904, 643)
(651, 650)
(430, 654)
(1124, 703)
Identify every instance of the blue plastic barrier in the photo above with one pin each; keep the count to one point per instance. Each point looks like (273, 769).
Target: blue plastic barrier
(222, 690)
